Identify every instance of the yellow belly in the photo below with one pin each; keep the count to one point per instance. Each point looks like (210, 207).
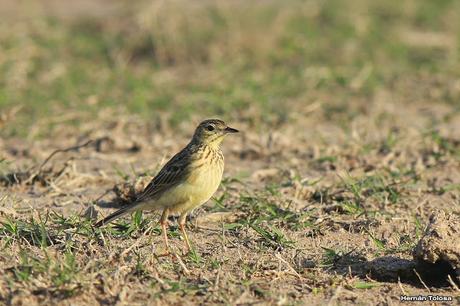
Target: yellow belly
(191, 193)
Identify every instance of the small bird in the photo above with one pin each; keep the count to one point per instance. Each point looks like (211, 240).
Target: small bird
(186, 181)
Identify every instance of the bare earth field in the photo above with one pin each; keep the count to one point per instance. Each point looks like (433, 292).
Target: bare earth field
(349, 153)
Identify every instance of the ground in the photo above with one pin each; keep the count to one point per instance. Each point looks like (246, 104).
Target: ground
(350, 144)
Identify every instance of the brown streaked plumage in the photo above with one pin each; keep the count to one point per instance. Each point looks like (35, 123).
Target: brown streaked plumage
(186, 181)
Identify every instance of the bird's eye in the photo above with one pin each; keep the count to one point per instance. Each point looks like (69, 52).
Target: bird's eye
(210, 128)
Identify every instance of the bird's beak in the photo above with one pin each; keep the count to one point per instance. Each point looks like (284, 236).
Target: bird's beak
(230, 130)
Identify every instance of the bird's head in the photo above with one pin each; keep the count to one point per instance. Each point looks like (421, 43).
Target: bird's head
(212, 132)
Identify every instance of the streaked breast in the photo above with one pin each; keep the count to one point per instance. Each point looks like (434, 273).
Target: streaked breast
(206, 176)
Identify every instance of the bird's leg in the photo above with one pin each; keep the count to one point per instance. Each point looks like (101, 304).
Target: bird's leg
(164, 228)
(182, 218)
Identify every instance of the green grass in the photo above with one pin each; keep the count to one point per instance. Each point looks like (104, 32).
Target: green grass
(365, 285)
(263, 213)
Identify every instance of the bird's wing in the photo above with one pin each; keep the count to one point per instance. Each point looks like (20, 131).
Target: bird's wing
(173, 173)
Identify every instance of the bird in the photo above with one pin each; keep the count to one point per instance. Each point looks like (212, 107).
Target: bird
(186, 181)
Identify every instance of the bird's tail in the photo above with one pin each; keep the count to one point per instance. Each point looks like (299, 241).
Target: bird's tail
(115, 215)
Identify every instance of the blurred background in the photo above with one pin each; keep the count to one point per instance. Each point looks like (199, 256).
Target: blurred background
(262, 62)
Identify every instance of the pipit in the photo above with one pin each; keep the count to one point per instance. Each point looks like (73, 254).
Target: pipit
(186, 181)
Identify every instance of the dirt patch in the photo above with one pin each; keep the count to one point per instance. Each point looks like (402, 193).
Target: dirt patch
(439, 248)
(319, 227)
